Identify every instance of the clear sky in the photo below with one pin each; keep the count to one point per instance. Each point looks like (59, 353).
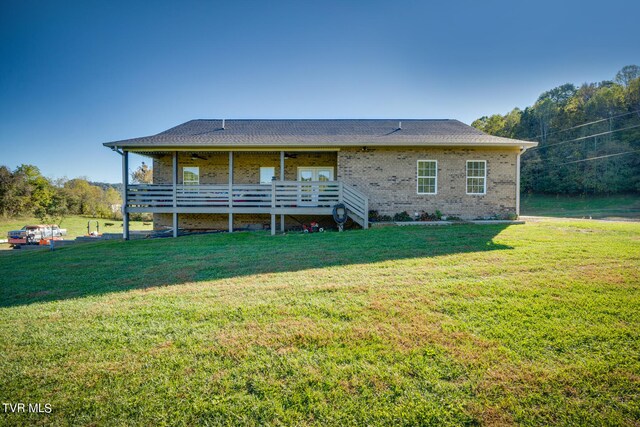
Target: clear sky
(74, 75)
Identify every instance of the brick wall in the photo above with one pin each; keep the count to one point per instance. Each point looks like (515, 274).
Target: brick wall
(246, 169)
(246, 166)
(389, 178)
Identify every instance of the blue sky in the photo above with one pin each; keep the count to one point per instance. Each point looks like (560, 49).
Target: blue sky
(74, 75)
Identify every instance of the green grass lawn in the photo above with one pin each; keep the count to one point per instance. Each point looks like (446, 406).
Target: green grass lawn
(75, 225)
(531, 324)
(596, 207)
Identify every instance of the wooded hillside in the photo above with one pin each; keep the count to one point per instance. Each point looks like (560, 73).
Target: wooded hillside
(26, 192)
(589, 137)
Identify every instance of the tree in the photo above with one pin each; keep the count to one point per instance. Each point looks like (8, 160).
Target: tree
(560, 94)
(574, 107)
(544, 110)
(113, 199)
(23, 191)
(627, 74)
(8, 198)
(605, 102)
(142, 175)
(84, 198)
(632, 95)
(500, 125)
(55, 211)
(574, 125)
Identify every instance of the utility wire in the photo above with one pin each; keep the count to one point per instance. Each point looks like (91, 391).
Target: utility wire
(584, 137)
(584, 124)
(599, 157)
(581, 160)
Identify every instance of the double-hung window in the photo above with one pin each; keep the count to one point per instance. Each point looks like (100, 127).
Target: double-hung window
(427, 176)
(476, 176)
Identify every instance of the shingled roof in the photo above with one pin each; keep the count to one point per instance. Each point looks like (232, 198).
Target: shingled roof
(318, 133)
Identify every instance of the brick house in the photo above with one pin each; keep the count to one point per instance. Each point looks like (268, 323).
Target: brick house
(226, 174)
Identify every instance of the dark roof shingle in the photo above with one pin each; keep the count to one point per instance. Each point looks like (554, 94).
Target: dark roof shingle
(318, 133)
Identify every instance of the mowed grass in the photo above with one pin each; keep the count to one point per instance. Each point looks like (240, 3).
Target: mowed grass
(76, 226)
(617, 206)
(533, 324)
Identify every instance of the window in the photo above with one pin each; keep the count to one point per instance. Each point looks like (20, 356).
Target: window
(191, 175)
(267, 174)
(427, 176)
(315, 173)
(476, 176)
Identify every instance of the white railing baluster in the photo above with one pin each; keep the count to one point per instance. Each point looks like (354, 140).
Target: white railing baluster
(279, 194)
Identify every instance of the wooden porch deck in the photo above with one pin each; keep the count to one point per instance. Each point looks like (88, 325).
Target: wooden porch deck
(277, 198)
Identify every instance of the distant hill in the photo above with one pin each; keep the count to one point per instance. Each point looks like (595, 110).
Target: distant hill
(589, 137)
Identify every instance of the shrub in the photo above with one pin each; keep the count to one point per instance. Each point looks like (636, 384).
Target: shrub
(402, 217)
(374, 216)
(426, 216)
(137, 216)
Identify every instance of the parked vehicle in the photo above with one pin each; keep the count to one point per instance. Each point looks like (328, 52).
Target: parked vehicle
(34, 234)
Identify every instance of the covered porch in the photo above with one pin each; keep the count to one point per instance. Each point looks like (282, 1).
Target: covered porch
(241, 182)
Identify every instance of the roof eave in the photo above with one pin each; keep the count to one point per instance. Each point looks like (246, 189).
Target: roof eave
(181, 147)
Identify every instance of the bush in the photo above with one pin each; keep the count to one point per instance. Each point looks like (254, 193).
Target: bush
(374, 216)
(402, 217)
(137, 216)
(426, 216)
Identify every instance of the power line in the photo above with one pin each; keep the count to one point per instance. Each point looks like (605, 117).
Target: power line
(579, 161)
(584, 124)
(599, 157)
(584, 137)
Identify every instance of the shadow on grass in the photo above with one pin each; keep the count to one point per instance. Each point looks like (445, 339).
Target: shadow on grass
(116, 266)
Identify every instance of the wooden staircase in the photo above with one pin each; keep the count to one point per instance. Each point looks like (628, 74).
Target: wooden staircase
(357, 204)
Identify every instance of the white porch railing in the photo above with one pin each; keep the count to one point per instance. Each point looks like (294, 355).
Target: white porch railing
(277, 195)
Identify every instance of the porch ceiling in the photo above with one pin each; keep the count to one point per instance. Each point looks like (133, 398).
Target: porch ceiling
(162, 152)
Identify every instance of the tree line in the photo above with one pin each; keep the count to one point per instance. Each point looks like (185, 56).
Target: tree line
(589, 137)
(24, 191)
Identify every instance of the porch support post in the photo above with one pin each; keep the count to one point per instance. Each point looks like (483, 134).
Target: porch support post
(365, 220)
(230, 191)
(282, 179)
(174, 178)
(518, 184)
(125, 188)
(273, 207)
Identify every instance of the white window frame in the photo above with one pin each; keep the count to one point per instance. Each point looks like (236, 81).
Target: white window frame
(435, 187)
(315, 170)
(484, 178)
(273, 174)
(186, 169)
